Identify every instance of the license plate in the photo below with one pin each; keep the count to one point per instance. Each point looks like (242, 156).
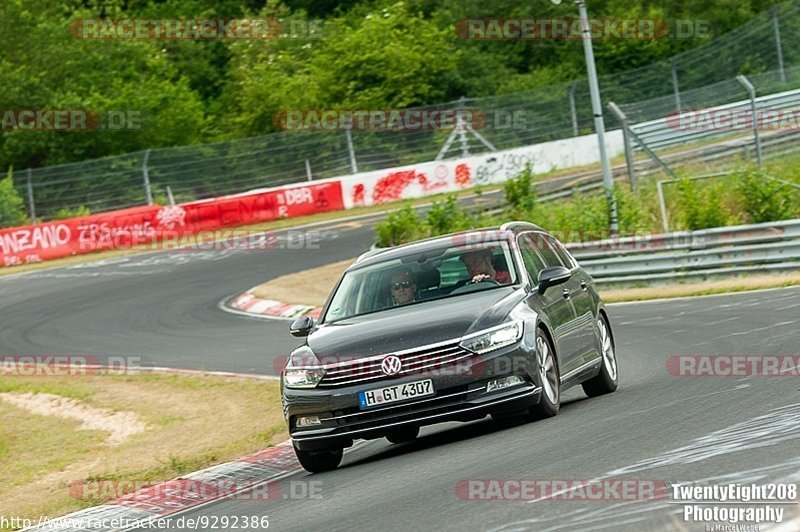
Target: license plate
(394, 394)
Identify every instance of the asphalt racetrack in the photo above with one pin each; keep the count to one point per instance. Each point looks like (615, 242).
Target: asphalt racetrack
(657, 428)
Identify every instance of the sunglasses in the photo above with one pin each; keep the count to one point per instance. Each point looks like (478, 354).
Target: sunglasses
(402, 284)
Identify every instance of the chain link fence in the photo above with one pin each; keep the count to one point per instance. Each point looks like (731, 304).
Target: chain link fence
(764, 49)
(718, 128)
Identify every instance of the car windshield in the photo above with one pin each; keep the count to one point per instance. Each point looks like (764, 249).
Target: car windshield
(449, 271)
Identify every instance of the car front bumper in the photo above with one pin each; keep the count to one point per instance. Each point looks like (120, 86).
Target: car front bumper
(459, 396)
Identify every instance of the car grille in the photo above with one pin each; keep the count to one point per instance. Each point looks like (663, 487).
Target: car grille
(422, 359)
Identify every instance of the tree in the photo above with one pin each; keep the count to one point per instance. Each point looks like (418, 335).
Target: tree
(12, 206)
(387, 59)
(43, 66)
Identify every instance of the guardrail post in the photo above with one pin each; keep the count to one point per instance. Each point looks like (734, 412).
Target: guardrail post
(675, 85)
(148, 191)
(751, 91)
(31, 204)
(623, 118)
(778, 46)
(572, 109)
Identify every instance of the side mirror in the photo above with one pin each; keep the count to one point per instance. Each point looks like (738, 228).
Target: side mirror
(301, 326)
(552, 276)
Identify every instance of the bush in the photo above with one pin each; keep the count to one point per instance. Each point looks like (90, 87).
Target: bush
(66, 212)
(702, 206)
(400, 226)
(631, 210)
(580, 217)
(698, 204)
(520, 194)
(447, 217)
(12, 206)
(765, 199)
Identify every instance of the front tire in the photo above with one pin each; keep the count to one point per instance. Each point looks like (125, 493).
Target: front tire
(319, 461)
(549, 378)
(608, 379)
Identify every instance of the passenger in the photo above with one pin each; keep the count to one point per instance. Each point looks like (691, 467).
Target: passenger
(404, 287)
(480, 267)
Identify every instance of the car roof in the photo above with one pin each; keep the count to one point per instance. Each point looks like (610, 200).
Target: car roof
(490, 234)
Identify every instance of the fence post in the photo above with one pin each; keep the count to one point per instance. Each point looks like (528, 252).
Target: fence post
(622, 117)
(351, 150)
(675, 85)
(663, 204)
(170, 197)
(751, 91)
(308, 170)
(462, 135)
(572, 109)
(462, 129)
(778, 46)
(31, 204)
(146, 177)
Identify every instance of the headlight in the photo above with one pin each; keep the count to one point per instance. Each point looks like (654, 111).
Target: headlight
(303, 370)
(495, 338)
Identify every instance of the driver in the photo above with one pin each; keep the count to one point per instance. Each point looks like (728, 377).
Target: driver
(404, 287)
(480, 267)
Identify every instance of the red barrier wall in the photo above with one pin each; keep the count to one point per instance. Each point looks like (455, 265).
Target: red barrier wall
(141, 225)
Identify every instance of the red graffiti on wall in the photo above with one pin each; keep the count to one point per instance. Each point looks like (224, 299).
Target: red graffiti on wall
(358, 194)
(391, 187)
(462, 175)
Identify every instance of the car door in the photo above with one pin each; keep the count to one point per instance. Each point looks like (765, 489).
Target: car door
(559, 309)
(582, 288)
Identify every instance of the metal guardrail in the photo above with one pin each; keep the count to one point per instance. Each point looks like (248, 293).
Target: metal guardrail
(767, 247)
(667, 132)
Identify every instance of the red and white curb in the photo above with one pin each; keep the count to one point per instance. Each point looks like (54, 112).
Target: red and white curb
(252, 473)
(249, 303)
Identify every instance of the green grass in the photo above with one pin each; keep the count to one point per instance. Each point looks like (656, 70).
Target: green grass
(192, 422)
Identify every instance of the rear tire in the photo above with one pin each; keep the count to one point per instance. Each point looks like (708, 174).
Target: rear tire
(319, 461)
(549, 378)
(403, 435)
(608, 379)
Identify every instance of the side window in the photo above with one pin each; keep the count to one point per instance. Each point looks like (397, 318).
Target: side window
(545, 249)
(533, 263)
(562, 252)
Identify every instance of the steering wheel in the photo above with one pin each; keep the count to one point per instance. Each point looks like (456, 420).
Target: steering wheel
(487, 280)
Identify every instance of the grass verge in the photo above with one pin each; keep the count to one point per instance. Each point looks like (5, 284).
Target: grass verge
(705, 288)
(192, 422)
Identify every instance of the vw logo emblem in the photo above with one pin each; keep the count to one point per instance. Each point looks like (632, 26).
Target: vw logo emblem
(391, 365)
